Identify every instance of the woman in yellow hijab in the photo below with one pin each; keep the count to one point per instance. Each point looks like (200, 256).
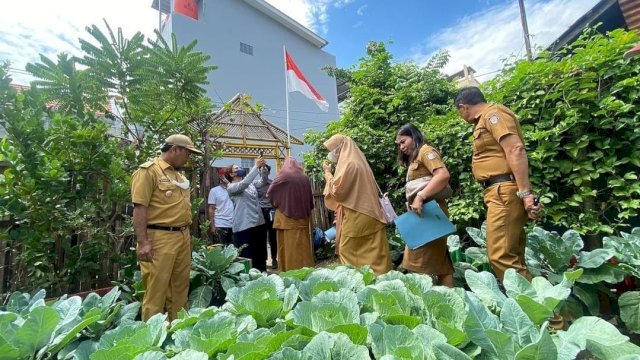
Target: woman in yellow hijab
(352, 193)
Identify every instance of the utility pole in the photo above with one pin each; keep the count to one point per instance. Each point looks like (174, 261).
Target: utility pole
(525, 29)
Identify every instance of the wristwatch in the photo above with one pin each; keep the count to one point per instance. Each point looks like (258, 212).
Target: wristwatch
(523, 194)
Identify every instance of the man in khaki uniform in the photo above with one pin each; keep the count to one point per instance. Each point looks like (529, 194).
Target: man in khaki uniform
(161, 218)
(500, 164)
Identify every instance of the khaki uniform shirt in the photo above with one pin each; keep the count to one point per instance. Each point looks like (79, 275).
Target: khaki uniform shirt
(489, 159)
(432, 258)
(427, 161)
(166, 203)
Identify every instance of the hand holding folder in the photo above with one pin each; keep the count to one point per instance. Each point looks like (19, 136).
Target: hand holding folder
(417, 231)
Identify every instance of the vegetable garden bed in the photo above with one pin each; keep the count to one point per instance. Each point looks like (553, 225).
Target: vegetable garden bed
(339, 313)
(346, 313)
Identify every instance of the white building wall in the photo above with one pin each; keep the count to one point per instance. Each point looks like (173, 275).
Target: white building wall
(222, 26)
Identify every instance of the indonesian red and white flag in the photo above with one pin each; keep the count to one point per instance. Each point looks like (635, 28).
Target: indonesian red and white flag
(297, 82)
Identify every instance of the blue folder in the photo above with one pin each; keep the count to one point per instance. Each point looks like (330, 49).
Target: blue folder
(417, 231)
(330, 234)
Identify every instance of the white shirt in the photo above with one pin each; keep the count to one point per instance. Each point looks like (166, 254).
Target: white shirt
(219, 197)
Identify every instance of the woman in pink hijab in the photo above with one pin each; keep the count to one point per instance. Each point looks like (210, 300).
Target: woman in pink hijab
(290, 194)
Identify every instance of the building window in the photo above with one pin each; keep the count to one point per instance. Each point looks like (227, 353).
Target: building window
(246, 48)
(247, 163)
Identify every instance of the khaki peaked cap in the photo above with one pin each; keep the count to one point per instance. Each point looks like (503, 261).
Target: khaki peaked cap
(183, 141)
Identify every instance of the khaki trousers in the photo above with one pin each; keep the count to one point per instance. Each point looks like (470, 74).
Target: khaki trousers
(166, 279)
(506, 219)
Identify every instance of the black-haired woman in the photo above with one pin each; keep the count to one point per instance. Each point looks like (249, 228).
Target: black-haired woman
(423, 160)
(248, 220)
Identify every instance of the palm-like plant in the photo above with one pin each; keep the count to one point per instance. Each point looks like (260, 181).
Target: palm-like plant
(66, 183)
(149, 82)
(156, 86)
(65, 87)
(179, 70)
(174, 76)
(112, 62)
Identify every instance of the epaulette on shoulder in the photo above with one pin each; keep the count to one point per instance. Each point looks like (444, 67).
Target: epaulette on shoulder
(146, 165)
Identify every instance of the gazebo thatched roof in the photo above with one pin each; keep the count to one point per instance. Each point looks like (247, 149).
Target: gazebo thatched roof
(243, 122)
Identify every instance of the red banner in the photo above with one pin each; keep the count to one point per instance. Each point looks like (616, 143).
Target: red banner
(187, 8)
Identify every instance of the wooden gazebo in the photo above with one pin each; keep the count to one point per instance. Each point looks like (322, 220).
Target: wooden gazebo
(242, 132)
(239, 131)
(247, 134)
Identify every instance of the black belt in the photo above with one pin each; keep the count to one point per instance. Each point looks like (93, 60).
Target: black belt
(167, 228)
(497, 179)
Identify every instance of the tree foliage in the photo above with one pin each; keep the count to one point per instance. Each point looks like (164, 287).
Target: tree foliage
(154, 85)
(69, 89)
(68, 171)
(60, 190)
(384, 96)
(579, 113)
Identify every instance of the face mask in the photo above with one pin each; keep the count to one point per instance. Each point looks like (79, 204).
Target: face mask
(183, 185)
(240, 172)
(332, 156)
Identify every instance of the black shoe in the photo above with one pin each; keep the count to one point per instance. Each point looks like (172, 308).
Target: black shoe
(274, 264)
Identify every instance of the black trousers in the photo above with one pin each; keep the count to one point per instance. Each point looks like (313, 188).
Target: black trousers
(255, 246)
(270, 233)
(224, 235)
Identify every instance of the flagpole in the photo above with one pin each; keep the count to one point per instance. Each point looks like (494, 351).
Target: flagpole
(286, 90)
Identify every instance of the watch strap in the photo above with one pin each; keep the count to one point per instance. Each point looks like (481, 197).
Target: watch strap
(522, 194)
